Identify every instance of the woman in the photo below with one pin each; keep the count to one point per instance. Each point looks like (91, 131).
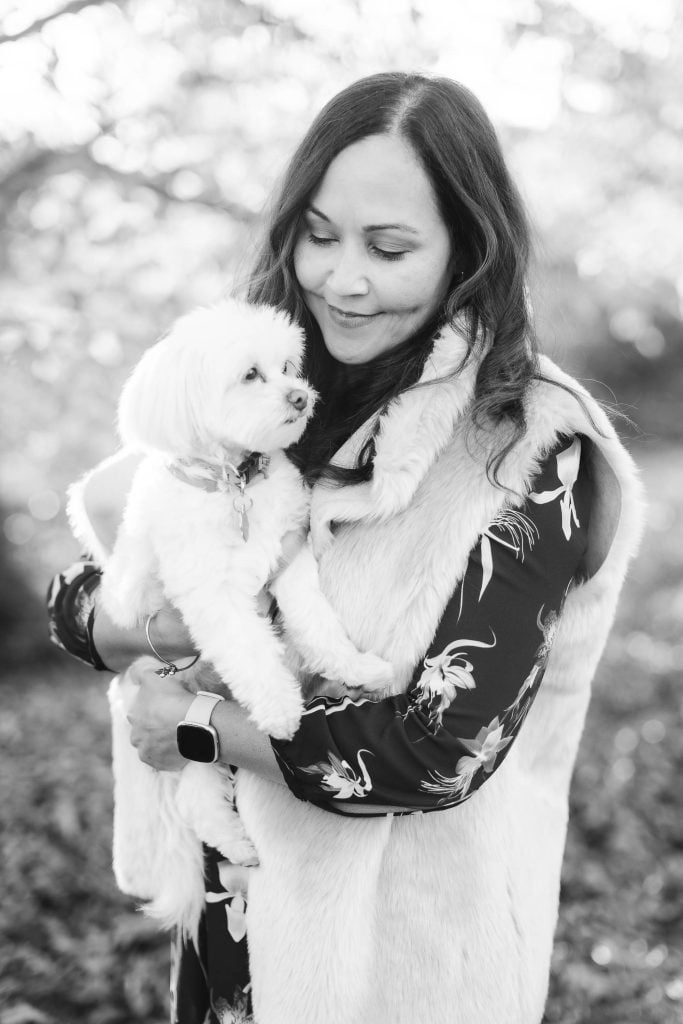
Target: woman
(478, 511)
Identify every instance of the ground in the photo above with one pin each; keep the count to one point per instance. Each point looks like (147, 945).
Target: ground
(75, 950)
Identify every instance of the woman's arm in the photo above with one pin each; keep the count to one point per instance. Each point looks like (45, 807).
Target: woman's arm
(434, 746)
(71, 608)
(79, 625)
(119, 647)
(77, 622)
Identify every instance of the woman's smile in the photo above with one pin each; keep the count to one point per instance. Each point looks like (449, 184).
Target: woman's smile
(348, 319)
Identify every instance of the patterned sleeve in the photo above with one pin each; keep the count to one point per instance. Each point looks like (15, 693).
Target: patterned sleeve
(434, 746)
(71, 609)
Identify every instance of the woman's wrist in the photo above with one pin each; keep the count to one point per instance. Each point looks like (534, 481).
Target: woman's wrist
(119, 647)
(165, 635)
(243, 745)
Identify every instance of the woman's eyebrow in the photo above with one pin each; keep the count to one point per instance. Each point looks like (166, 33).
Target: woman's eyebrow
(368, 227)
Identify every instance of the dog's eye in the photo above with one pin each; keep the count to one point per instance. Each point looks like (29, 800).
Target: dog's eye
(290, 369)
(252, 374)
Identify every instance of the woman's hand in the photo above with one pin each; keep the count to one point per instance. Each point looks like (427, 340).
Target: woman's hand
(161, 703)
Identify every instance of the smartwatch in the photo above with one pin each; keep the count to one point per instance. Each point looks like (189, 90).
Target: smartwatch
(197, 739)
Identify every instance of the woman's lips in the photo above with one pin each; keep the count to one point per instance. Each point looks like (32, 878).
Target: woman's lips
(349, 320)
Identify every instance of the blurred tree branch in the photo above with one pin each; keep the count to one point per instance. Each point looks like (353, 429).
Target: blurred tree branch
(34, 168)
(36, 26)
(162, 185)
(266, 17)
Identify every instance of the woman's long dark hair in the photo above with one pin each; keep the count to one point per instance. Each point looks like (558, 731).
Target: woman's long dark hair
(451, 134)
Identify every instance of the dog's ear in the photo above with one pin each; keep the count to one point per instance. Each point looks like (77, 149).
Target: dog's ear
(159, 406)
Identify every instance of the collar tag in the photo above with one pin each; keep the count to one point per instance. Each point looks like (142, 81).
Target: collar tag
(221, 476)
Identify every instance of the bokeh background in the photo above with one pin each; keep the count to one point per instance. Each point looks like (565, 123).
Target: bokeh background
(139, 141)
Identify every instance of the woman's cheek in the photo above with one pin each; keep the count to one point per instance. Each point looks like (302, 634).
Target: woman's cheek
(408, 290)
(424, 285)
(306, 267)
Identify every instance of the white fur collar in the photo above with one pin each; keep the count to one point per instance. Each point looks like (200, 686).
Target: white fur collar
(414, 431)
(420, 424)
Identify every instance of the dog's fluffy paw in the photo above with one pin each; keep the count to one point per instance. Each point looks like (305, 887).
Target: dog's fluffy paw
(279, 718)
(370, 672)
(321, 538)
(238, 850)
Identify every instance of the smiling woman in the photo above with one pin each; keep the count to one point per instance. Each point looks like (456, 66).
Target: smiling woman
(374, 259)
(397, 215)
(472, 513)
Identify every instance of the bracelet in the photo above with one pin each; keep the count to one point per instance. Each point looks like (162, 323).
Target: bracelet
(170, 668)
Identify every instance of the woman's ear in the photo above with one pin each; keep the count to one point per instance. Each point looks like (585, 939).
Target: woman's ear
(159, 407)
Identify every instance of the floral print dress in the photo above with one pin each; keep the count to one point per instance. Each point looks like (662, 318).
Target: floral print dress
(425, 750)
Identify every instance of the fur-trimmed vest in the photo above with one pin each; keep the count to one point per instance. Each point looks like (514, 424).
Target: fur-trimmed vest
(445, 917)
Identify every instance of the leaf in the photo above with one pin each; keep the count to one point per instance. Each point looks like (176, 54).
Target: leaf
(486, 564)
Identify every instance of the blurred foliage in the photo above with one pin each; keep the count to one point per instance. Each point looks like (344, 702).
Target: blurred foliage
(73, 949)
(143, 137)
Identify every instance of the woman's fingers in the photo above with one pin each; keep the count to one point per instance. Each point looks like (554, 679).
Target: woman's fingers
(158, 707)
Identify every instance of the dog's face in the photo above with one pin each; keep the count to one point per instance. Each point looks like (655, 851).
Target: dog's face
(261, 401)
(228, 376)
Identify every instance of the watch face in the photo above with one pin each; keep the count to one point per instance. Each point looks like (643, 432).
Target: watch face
(198, 742)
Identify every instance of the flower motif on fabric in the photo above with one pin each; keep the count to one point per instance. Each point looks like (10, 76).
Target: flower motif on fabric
(548, 628)
(520, 531)
(237, 1012)
(443, 675)
(568, 463)
(484, 748)
(234, 879)
(84, 599)
(516, 713)
(340, 779)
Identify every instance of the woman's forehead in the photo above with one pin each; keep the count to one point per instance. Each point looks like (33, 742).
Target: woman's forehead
(377, 181)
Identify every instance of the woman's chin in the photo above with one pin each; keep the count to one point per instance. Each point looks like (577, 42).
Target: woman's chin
(358, 351)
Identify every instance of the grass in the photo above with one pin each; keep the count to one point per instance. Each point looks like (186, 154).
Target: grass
(74, 950)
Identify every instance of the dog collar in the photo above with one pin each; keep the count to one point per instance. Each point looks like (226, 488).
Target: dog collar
(221, 476)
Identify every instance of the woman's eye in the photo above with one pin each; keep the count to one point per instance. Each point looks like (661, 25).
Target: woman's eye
(319, 239)
(388, 254)
(384, 254)
(252, 374)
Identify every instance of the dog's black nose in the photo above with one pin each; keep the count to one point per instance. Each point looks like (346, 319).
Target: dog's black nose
(298, 398)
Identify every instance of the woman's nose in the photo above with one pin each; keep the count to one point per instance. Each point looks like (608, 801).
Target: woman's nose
(347, 276)
(298, 398)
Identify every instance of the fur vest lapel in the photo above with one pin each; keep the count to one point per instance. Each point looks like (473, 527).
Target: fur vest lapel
(414, 431)
(447, 916)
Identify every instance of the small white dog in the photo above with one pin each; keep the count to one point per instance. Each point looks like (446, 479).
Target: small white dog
(212, 406)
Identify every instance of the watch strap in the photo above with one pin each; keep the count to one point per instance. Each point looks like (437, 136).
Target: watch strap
(201, 708)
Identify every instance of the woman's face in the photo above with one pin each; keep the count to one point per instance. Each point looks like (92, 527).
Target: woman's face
(374, 256)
